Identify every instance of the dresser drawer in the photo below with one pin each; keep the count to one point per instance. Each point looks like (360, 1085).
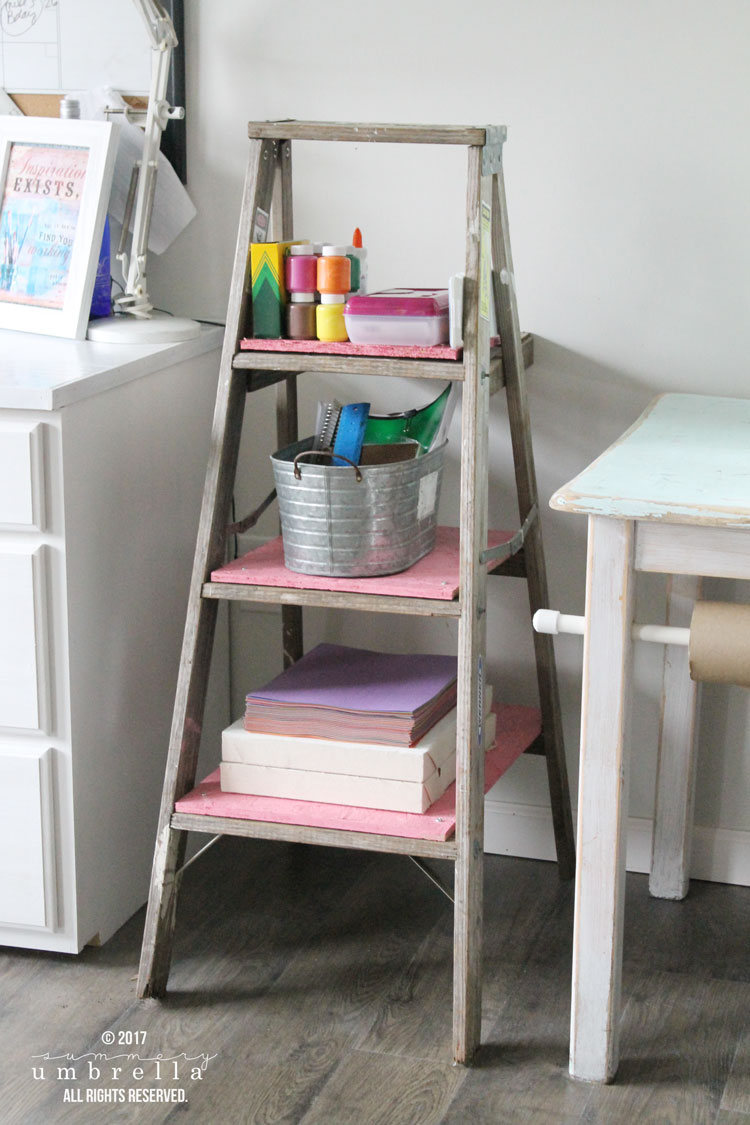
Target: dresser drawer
(24, 664)
(27, 839)
(21, 476)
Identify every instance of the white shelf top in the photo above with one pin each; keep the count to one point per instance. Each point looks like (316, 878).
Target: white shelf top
(685, 460)
(47, 373)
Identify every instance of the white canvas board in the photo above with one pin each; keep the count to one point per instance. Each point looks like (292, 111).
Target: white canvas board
(413, 763)
(338, 788)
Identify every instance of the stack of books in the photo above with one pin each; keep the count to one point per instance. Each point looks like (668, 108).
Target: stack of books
(350, 726)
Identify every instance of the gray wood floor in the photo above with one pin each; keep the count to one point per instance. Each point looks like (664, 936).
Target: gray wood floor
(319, 983)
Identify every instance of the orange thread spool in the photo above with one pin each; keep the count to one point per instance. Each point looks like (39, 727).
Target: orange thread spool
(334, 270)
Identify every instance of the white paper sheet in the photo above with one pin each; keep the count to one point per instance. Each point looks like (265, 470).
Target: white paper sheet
(173, 208)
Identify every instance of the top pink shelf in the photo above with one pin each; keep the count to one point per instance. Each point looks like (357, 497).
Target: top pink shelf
(320, 347)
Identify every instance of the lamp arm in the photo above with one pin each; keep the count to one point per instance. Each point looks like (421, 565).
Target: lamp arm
(161, 32)
(158, 23)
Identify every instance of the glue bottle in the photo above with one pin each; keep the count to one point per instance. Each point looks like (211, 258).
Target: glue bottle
(357, 251)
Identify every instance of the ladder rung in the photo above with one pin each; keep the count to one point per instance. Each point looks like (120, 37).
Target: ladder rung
(386, 134)
(294, 362)
(332, 599)
(302, 834)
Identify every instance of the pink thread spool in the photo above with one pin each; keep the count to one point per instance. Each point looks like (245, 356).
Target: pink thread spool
(334, 270)
(301, 268)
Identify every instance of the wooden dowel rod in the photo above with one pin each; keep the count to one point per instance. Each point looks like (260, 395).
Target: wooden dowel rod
(551, 621)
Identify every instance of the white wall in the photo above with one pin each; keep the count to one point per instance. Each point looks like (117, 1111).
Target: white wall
(628, 178)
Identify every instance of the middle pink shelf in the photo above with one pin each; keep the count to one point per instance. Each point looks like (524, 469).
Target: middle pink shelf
(434, 576)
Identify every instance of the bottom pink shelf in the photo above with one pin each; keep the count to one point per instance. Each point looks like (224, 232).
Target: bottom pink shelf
(517, 727)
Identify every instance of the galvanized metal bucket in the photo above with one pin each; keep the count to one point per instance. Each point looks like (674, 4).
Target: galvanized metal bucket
(350, 521)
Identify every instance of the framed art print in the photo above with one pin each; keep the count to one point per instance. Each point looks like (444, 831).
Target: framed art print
(55, 178)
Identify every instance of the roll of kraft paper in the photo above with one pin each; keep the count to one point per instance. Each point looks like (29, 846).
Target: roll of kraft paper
(719, 648)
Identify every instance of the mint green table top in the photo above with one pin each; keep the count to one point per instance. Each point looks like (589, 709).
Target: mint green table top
(686, 460)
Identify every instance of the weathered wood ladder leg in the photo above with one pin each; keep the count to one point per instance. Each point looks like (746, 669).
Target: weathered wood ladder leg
(282, 228)
(520, 431)
(472, 627)
(200, 623)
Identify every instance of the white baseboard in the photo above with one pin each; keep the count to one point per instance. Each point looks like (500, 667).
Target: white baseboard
(720, 855)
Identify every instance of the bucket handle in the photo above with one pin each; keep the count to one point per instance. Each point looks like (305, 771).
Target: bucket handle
(323, 453)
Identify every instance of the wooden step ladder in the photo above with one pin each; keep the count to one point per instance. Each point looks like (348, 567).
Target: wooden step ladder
(489, 276)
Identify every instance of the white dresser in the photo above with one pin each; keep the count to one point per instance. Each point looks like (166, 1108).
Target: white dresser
(102, 457)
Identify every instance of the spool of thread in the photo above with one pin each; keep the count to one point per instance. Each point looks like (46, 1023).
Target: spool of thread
(329, 318)
(719, 649)
(70, 108)
(300, 317)
(334, 271)
(301, 269)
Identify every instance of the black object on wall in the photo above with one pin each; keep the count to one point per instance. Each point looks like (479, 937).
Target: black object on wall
(174, 139)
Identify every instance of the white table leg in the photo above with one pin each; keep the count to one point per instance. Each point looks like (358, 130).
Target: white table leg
(602, 801)
(675, 779)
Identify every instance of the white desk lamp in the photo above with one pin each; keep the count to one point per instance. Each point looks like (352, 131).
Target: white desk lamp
(135, 320)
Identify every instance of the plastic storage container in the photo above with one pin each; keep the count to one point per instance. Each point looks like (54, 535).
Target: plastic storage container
(355, 520)
(416, 317)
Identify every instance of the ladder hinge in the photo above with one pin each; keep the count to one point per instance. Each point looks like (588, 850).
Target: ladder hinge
(512, 545)
(492, 153)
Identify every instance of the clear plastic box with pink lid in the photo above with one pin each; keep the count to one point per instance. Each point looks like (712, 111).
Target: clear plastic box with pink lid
(416, 317)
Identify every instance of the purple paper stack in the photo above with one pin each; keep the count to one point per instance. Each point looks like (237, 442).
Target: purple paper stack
(349, 726)
(340, 692)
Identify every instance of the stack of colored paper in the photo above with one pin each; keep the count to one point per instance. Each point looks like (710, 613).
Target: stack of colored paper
(370, 708)
(354, 694)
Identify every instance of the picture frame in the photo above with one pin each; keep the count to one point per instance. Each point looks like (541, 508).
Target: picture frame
(55, 179)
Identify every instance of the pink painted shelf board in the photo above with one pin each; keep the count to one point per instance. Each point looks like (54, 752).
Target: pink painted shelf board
(517, 727)
(320, 347)
(388, 351)
(434, 576)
